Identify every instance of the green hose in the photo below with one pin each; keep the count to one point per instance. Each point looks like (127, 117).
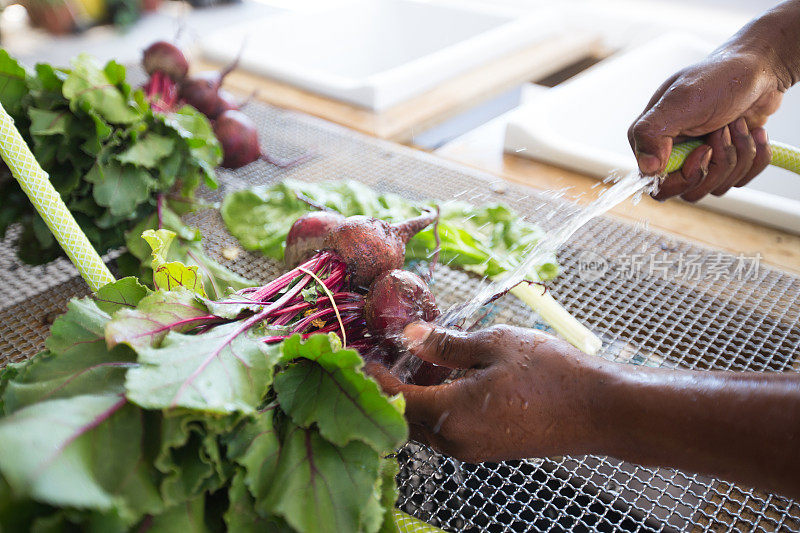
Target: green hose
(783, 156)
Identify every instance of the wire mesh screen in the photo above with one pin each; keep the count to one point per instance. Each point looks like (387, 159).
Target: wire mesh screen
(727, 317)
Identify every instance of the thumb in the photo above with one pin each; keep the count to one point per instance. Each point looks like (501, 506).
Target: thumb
(651, 136)
(444, 347)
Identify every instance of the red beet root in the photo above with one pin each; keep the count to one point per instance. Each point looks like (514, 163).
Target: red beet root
(225, 102)
(167, 58)
(370, 246)
(395, 299)
(202, 92)
(307, 234)
(239, 139)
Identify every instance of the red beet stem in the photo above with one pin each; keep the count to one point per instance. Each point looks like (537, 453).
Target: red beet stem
(435, 255)
(286, 163)
(411, 227)
(270, 289)
(303, 324)
(231, 66)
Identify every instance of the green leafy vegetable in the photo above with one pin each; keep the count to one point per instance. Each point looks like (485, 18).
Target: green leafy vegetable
(123, 294)
(221, 371)
(113, 159)
(489, 240)
(149, 412)
(64, 434)
(77, 361)
(328, 389)
(256, 447)
(320, 487)
(89, 87)
(170, 275)
(154, 317)
(185, 249)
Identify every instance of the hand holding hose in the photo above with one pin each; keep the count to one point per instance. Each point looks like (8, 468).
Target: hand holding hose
(725, 100)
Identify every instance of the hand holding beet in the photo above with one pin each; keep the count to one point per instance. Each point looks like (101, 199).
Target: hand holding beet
(373, 252)
(524, 394)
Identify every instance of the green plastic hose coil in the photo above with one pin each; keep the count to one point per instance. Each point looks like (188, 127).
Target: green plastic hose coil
(783, 156)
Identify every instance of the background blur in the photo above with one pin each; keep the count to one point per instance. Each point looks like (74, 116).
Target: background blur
(119, 28)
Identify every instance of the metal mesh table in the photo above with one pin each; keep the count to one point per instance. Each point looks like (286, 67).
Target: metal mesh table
(662, 317)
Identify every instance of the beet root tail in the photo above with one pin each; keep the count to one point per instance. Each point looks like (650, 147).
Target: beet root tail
(411, 227)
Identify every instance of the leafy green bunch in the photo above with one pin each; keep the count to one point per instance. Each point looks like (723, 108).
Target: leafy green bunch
(107, 153)
(488, 240)
(134, 418)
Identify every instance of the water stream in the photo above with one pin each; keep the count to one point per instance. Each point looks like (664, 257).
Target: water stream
(630, 185)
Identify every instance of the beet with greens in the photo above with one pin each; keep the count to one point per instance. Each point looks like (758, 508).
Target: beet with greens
(307, 234)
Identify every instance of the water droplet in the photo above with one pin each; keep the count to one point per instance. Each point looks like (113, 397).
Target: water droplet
(499, 187)
(438, 427)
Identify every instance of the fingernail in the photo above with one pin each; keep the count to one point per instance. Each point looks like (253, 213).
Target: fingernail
(726, 135)
(740, 125)
(648, 163)
(702, 168)
(705, 161)
(760, 136)
(415, 334)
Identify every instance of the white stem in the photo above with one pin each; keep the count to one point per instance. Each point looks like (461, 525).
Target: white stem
(559, 318)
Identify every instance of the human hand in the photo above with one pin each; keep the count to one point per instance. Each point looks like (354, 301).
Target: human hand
(525, 393)
(724, 99)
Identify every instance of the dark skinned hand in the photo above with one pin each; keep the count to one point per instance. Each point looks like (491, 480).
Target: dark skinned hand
(514, 400)
(725, 100)
(528, 394)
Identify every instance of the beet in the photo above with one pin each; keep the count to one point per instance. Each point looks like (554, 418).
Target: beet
(395, 299)
(239, 139)
(225, 102)
(201, 92)
(167, 58)
(370, 246)
(307, 235)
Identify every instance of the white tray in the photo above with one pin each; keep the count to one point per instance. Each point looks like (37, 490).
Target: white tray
(582, 125)
(377, 53)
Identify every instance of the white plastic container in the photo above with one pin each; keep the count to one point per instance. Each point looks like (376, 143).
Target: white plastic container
(377, 53)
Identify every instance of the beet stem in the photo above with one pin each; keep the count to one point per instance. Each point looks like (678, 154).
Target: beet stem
(412, 226)
(271, 288)
(231, 66)
(303, 324)
(333, 303)
(286, 163)
(437, 249)
(247, 101)
(319, 207)
(160, 210)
